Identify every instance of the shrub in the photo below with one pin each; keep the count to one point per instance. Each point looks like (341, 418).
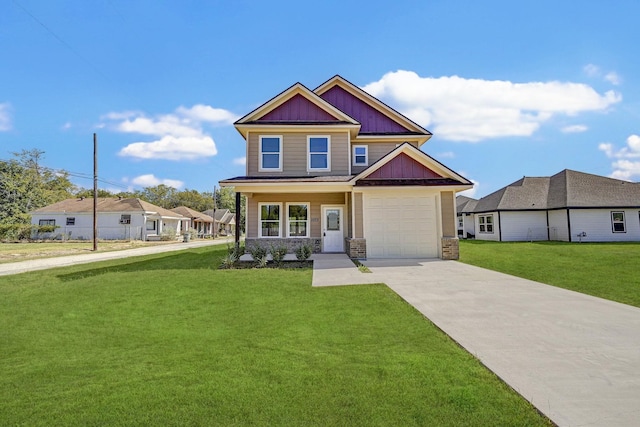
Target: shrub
(230, 260)
(278, 252)
(193, 233)
(259, 254)
(303, 252)
(168, 234)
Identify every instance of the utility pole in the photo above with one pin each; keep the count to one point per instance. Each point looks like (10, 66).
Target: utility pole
(215, 229)
(95, 192)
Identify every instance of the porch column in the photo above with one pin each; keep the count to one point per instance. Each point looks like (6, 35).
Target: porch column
(237, 220)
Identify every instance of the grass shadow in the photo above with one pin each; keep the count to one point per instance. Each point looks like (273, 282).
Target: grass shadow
(209, 260)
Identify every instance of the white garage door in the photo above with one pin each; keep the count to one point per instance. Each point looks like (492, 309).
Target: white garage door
(401, 225)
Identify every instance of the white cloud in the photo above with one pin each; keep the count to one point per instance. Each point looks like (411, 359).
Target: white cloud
(447, 155)
(473, 110)
(240, 161)
(471, 192)
(592, 70)
(172, 148)
(179, 135)
(613, 78)
(627, 159)
(150, 180)
(574, 129)
(66, 126)
(5, 117)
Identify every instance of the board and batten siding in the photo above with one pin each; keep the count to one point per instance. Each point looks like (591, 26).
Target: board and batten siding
(523, 226)
(558, 225)
(596, 223)
(315, 200)
(294, 148)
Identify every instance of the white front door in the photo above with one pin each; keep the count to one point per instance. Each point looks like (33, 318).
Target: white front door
(332, 229)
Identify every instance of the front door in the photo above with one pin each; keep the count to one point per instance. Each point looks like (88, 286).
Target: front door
(332, 229)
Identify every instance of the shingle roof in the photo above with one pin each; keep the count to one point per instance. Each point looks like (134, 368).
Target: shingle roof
(190, 213)
(566, 189)
(107, 204)
(465, 204)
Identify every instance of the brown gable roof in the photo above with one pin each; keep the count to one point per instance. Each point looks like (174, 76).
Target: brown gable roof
(107, 204)
(190, 213)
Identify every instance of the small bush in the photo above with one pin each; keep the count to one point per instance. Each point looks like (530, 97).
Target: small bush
(193, 233)
(278, 252)
(230, 260)
(168, 234)
(303, 252)
(261, 262)
(259, 254)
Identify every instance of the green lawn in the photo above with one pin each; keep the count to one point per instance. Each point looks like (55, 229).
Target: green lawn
(170, 340)
(606, 270)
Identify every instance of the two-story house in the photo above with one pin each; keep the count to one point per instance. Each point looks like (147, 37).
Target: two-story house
(340, 170)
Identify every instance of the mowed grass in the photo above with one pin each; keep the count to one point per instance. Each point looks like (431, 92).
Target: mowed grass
(170, 340)
(605, 270)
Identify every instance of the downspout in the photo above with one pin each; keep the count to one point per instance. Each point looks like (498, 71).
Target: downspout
(569, 224)
(499, 227)
(548, 233)
(237, 220)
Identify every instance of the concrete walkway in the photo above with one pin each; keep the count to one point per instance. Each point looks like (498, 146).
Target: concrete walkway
(575, 357)
(64, 261)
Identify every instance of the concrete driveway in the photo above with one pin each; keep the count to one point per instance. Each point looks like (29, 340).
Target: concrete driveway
(575, 357)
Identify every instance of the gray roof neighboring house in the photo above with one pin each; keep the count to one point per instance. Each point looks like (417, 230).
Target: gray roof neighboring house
(223, 216)
(465, 204)
(107, 204)
(194, 215)
(566, 189)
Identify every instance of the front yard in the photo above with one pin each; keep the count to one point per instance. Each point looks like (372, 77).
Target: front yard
(605, 270)
(171, 340)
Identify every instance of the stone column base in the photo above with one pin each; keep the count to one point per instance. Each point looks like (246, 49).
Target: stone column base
(450, 248)
(356, 247)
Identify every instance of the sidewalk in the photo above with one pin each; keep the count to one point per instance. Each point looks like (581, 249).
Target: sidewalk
(64, 261)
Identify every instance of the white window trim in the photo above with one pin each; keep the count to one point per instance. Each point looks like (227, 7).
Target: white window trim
(480, 217)
(623, 222)
(309, 168)
(366, 155)
(260, 205)
(280, 154)
(308, 205)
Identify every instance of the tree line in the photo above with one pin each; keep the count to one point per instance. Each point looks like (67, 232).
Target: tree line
(25, 185)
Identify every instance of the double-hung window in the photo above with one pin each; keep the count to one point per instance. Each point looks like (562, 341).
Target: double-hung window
(485, 223)
(618, 223)
(270, 153)
(298, 216)
(270, 218)
(360, 155)
(318, 153)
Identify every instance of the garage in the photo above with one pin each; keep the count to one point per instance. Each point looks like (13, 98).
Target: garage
(402, 224)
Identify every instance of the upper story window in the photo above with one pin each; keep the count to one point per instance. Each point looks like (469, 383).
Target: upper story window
(618, 223)
(271, 153)
(360, 155)
(318, 153)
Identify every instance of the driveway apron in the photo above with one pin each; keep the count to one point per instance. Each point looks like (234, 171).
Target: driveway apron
(573, 356)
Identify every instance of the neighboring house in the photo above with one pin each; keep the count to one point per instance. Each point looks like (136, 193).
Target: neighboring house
(466, 219)
(202, 223)
(339, 170)
(118, 219)
(225, 221)
(568, 206)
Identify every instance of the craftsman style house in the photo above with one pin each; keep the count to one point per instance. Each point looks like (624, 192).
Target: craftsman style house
(339, 170)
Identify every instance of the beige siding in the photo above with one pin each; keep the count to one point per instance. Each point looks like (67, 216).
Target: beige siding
(357, 206)
(315, 200)
(377, 150)
(448, 214)
(294, 161)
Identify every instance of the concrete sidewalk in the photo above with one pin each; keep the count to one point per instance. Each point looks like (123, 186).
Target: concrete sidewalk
(573, 356)
(64, 261)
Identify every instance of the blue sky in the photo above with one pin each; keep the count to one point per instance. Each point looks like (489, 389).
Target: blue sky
(509, 89)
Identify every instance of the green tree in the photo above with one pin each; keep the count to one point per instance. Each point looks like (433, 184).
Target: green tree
(26, 185)
(160, 195)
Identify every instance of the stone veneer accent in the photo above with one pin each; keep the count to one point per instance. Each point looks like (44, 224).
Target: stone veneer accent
(356, 247)
(450, 248)
(291, 243)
